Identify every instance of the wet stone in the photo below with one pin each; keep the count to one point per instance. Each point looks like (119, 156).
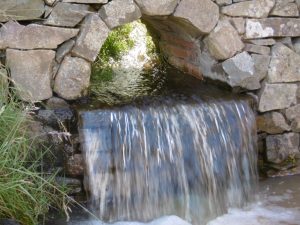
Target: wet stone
(272, 123)
(281, 147)
(75, 165)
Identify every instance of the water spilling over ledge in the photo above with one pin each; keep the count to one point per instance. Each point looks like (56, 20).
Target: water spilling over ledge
(186, 155)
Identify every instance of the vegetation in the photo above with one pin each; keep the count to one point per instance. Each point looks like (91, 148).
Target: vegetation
(25, 191)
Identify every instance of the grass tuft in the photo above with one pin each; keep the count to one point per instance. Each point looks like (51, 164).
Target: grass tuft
(26, 192)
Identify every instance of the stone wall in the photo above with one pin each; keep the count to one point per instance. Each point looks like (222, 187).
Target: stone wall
(252, 46)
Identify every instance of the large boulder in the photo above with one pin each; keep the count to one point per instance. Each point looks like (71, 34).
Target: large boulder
(21, 9)
(33, 36)
(119, 12)
(224, 41)
(67, 14)
(157, 7)
(73, 78)
(254, 9)
(31, 73)
(272, 123)
(285, 8)
(202, 15)
(284, 65)
(280, 147)
(92, 36)
(277, 96)
(240, 71)
(272, 27)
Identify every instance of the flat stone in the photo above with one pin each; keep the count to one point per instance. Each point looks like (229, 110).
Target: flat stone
(119, 12)
(252, 9)
(296, 43)
(157, 7)
(272, 27)
(267, 41)
(201, 14)
(87, 1)
(21, 9)
(240, 70)
(92, 36)
(272, 123)
(73, 185)
(258, 49)
(285, 8)
(31, 73)
(293, 112)
(63, 50)
(33, 36)
(286, 41)
(67, 14)
(277, 96)
(224, 42)
(73, 77)
(284, 65)
(280, 147)
(261, 65)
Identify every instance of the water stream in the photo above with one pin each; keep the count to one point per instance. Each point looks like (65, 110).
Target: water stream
(182, 156)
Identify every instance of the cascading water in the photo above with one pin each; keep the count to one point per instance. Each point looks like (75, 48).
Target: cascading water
(188, 156)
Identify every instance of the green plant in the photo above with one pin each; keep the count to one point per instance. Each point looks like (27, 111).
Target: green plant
(25, 191)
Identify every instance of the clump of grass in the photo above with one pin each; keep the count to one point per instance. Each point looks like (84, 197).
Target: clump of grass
(26, 192)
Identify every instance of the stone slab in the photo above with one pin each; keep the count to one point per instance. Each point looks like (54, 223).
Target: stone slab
(157, 7)
(272, 27)
(31, 73)
(33, 36)
(277, 96)
(21, 9)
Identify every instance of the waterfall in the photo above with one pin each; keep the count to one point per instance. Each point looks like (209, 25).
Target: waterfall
(190, 157)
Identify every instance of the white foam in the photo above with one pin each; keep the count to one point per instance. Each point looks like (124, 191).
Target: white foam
(259, 215)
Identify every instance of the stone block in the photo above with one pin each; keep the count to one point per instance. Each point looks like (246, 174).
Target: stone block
(67, 14)
(261, 65)
(277, 96)
(280, 147)
(92, 36)
(293, 112)
(258, 49)
(224, 41)
(63, 50)
(33, 36)
(21, 10)
(240, 71)
(157, 7)
(267, 41)
(119, 12)
(285, 8)
(75, 165)
(251, 9)
(87, 1)
(284, 65)
(202, 15)
(272, 27)
(272, 123)
(73, 78)
(31, 73)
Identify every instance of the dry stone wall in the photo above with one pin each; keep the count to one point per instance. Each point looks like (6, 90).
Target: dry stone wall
(253, 46)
